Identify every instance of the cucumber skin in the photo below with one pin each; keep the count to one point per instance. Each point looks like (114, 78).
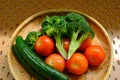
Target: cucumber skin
(37, 63)
(25, 65)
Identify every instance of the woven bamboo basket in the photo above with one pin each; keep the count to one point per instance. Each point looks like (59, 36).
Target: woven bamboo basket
(33, 24)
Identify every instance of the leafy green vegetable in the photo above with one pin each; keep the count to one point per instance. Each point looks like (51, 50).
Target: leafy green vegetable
(56, 26)
(73, 25)
(78, 30)
(31, 38)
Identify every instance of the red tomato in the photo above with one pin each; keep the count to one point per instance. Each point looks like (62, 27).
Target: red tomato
(87, 42)
(95, 55)
(66, 44)
(44, 45)
(56, 61)
(77, 64)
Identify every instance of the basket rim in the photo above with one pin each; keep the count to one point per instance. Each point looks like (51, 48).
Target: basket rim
(60, 11)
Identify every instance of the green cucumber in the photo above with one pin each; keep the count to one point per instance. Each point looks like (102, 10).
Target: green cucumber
(25, 65)
(37, 63)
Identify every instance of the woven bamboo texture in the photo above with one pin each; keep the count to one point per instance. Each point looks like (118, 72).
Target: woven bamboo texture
(13, 12)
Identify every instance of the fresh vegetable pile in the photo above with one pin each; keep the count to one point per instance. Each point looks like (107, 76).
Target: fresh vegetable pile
(64, 44)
